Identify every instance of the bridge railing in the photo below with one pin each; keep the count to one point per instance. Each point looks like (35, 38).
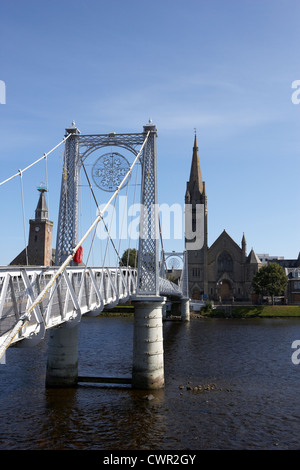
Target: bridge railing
(75, 292)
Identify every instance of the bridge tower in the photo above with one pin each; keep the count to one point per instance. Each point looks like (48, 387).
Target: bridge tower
(148, 360)
(148, 366)
(67, 230)
(62, 360)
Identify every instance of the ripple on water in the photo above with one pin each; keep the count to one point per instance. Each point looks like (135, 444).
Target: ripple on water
(252, 402)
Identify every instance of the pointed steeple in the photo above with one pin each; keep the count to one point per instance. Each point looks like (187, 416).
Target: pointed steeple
(195, 188)
(244, 248)
(196, 181)
(41, 211)
(244, 244)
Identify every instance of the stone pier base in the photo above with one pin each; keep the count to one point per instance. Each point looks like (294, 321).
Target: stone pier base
(148, 354)
(185, 309)
(62, 363)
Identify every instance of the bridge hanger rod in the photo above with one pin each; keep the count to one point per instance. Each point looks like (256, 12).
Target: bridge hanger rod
(41, 158)
(97, 205)
(24, 319)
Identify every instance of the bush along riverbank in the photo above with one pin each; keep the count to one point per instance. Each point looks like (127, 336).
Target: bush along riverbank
(251, 311)
(224, 311)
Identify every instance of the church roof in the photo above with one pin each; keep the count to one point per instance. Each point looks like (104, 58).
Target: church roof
(224, 235)
(253, 258)
(195, 181)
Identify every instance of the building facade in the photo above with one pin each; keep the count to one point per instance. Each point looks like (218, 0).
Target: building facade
(223, 271)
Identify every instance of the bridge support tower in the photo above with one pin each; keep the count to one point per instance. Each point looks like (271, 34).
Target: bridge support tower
(148, 353)
(148, 358)
(62, 361)
(185, 309)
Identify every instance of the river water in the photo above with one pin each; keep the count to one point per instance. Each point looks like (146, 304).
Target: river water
(249, 396)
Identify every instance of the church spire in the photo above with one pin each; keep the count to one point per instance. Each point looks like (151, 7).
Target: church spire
(196, 181)
(195, 188)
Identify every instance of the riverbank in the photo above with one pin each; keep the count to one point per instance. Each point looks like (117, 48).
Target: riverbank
(119, 311)
(249, 311)
(253, 311)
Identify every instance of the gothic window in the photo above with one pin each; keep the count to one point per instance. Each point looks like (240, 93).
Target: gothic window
(225, 262)
(196, 272)
(297, 285)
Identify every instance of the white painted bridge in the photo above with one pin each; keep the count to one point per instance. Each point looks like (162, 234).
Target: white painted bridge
(55, 299)
(35, 299)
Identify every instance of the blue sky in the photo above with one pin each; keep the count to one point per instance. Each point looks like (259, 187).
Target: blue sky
(224, 67)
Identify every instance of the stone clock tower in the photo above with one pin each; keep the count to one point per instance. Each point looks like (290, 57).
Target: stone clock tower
(39, 249)
(40, 234)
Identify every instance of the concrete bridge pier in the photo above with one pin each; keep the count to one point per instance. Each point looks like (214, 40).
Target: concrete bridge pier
(164, 310)
(148, 354)
(62, 362)
(185, 309)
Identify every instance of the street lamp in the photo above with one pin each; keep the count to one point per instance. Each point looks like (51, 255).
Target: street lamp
(219, 294)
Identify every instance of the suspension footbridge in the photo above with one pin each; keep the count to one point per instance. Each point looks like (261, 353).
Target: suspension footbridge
(34, 299)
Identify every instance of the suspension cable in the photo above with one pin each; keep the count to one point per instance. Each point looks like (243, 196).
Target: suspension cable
(23, 210)
(41, 158)
(163, 260)
(129, 248)
(121, 228)
(94, 197)
(46, 174)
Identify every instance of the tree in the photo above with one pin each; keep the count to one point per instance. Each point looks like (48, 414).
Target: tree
(129, 258)
(270, 280)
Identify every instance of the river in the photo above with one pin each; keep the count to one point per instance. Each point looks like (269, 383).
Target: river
(248, 396)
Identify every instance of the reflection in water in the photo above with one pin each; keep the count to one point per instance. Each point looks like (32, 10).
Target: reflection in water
(230, 384)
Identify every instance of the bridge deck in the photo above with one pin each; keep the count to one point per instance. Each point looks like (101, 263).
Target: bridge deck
(75, 292)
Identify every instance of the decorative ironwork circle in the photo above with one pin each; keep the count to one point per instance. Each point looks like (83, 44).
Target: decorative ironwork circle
(109, 171)
(173, 263)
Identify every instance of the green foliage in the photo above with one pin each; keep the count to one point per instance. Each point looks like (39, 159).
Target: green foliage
(270, 280)
(256, 311)
(208, 307)
(129, 257)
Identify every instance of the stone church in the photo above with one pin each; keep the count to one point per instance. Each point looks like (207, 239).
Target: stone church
(223, 271)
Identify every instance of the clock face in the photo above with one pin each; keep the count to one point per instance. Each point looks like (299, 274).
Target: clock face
(37, 229)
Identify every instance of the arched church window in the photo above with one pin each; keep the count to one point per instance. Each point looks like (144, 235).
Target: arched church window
(225, 262)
